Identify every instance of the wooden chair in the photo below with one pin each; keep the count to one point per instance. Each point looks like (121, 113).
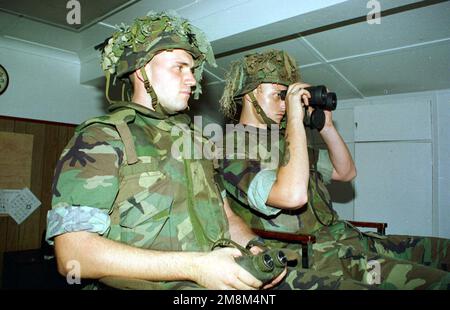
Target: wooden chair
(306, 241)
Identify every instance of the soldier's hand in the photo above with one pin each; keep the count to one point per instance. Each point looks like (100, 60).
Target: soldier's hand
(218, 270)
(328, 120)
(296, 98)
(276, 280)
(256, 250)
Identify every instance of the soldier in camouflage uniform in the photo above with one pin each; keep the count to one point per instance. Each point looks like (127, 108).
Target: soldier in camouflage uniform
(129, 203)
(276, 183)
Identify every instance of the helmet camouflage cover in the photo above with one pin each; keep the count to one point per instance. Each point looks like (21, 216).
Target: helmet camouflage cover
(246, 74)
(133, 46)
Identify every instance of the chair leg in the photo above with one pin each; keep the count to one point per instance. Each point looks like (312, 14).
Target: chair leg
(306, 247)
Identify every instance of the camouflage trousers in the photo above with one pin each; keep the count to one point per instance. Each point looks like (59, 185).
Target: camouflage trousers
(308, 279)
(295, 280)
(389, 262)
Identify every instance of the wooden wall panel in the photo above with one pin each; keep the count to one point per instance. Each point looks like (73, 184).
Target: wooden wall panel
(29, 232)
(15, 172)
(8, 126)
(49, 140)
(3, 228)
(15, 160)
(32, 232)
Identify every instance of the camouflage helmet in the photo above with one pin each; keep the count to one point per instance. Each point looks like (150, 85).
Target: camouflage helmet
(273, 66)
(133, 46)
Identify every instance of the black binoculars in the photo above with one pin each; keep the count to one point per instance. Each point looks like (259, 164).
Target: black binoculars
(264, 266)
(320, 100)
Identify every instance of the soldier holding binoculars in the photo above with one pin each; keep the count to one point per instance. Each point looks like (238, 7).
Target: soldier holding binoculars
(289, 195)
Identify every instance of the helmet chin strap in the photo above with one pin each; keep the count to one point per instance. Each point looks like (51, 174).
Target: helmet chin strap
(267, 120)
(155, 102)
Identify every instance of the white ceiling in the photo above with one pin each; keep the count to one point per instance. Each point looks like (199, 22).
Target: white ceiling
(55, 12)
(331, 40)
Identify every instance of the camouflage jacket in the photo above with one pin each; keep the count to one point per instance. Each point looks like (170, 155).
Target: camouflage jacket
(243, 173)
(120, 177)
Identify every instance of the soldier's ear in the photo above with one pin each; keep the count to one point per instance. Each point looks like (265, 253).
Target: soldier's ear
(148, 69)
(258, 91)
(137, 75)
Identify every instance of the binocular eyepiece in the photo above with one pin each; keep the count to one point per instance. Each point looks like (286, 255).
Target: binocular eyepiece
(266, 265)
(320, 100)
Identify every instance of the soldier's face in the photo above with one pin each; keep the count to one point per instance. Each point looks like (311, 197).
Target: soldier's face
(267, 95)
(170, 74)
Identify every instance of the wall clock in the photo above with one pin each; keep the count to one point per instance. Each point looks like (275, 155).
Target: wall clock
(4, 79)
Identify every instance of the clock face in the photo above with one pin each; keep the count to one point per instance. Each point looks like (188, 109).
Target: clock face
(4, 79)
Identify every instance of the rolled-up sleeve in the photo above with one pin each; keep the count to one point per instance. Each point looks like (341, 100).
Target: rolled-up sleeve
(75, 218)
(85, 184)
(259, 190)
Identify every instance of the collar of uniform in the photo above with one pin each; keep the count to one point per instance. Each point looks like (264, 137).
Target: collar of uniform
(247, 128)
(256, 130)
(163, 122)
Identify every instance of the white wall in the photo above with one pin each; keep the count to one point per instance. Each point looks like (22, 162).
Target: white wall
(442, 121)
(45, 84)
(439, 198)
